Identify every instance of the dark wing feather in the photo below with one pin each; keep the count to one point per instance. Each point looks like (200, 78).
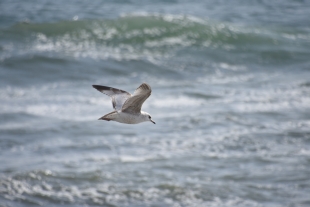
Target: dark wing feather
(118, 96)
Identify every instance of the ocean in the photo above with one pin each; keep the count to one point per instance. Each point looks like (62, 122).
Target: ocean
(230, 98)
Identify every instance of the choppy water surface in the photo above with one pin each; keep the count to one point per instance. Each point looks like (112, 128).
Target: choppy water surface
(231, 101)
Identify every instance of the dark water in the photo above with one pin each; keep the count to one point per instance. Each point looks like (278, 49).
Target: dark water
(231, 99)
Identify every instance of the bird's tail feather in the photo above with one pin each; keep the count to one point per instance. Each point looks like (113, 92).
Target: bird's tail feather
(108, 117)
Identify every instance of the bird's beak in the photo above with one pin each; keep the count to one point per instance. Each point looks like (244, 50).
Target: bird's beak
(153, 121)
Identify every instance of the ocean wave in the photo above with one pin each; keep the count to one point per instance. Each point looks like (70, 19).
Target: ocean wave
(107, 194)
(149, 36)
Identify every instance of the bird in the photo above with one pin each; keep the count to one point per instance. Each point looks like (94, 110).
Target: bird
(127, 107)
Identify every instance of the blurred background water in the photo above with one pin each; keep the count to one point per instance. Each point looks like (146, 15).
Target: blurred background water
(231, 101)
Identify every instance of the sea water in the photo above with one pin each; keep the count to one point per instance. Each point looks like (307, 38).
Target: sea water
(231, 102)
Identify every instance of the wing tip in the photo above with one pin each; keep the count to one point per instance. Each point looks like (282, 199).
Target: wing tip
(101, 88)
(95, 86)
(145, 86)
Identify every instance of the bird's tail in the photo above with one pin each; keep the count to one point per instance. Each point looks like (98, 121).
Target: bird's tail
(110, 116)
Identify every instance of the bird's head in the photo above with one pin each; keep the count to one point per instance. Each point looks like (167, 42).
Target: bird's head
(147, 117)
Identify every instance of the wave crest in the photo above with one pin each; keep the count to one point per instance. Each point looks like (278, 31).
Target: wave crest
(147, 36)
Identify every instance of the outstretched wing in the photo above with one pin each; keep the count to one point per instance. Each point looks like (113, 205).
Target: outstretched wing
(118, 96)
(134, 103)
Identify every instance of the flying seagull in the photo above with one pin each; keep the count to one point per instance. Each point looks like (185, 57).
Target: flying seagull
(127, 107)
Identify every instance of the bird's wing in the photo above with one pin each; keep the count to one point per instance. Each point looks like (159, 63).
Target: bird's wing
(118, 96)
(134, 103)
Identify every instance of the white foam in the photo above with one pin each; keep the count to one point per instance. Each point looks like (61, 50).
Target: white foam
(128, 158)
(176, 102)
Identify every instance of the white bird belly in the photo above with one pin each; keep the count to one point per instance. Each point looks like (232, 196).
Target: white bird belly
(128, 118)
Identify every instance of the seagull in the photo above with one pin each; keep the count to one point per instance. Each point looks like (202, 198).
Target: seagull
(127, 107)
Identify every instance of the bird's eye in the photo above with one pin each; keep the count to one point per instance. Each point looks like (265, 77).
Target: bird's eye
(149, 117)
